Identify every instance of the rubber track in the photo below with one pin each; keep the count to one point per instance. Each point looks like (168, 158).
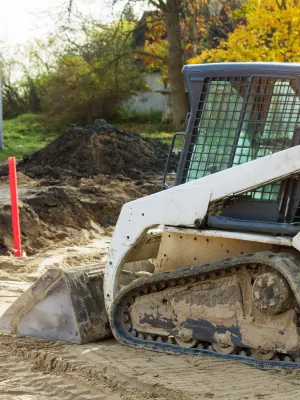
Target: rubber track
(287, 263)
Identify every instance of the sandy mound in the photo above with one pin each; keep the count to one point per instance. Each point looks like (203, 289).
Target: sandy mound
(72, 212)
(99, 149)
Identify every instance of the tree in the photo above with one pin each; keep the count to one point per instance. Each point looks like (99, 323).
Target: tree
(12, 96)
(174, 35)
(172, 49)
(182, 17)
(171, 10)
(22, 71)
(92, 77)
(82, 72)
(204, 24)
(271, 33)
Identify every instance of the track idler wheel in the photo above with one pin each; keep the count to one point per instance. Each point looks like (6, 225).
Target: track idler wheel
(263, 355)
(223, 348)
(187, 343)
(271, 293)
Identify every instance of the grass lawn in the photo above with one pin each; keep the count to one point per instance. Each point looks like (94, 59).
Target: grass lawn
(149, 125)
(30, 132)
(150, 130)
(27, 134)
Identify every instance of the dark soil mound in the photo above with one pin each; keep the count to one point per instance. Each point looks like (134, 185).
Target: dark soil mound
(98, 149)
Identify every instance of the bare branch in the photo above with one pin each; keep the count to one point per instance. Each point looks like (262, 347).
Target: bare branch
(281, 5)
(159, 4)
(148, 54)
(70, 6)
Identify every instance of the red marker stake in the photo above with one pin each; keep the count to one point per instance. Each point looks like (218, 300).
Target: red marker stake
(17, 251)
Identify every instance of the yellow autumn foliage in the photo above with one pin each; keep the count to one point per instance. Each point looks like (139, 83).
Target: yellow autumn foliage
(271, 33)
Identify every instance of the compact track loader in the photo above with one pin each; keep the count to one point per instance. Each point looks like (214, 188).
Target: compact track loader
(224, 244)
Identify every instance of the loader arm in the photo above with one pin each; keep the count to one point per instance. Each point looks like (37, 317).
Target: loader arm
(183, 204)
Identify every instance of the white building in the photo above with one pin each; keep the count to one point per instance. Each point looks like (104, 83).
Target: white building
(156, 99)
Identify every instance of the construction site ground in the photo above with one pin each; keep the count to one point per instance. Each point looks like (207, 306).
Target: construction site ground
(67, 221)
(36, 369)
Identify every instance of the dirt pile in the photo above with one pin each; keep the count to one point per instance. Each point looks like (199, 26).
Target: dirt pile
(74, 188)
(98, 149)
(71, 212)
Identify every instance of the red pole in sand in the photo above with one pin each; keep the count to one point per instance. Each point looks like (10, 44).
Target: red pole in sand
(17, 251)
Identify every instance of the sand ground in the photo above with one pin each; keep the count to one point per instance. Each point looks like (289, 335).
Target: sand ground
(35, 369)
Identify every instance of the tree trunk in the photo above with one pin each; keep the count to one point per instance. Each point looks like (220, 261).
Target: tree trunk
(178, 96)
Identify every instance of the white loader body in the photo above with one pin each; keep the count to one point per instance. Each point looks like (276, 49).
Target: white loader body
(181, 205)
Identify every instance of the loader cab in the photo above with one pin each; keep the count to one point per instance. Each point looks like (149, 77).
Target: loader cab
(240, 112)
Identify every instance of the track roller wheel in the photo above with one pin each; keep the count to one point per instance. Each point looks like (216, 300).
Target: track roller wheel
(185, 342)
(223, 348)
(263, 355)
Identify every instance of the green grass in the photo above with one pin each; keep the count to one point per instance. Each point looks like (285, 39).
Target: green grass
(161, 131)
(127, 116)
(146, 124)
(150, 130)
(27, 134)
(30, 132)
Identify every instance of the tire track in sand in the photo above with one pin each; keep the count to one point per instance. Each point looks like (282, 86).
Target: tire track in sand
(19, 380)
(140, 374)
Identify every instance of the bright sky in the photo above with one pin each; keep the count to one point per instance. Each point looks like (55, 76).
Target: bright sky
(22, 20)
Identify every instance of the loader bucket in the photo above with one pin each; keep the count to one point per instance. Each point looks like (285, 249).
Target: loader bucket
(63, 304)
